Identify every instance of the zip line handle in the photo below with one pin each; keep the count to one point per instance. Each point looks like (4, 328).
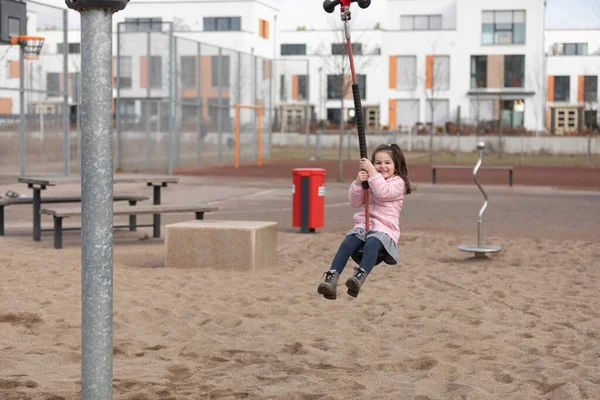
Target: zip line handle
(330, 5)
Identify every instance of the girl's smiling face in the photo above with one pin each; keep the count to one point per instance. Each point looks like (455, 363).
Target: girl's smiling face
(384, 164)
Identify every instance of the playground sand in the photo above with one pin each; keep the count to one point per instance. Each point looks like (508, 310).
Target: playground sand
(523, 324)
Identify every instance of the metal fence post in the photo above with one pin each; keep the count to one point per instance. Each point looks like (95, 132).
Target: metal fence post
(220, 83)
(588, 155)
(147, 103)
(118, 100)
(255, 102)
(199, 104)
(306, 112)
(177, 132)
(66, 128)
(171, 101)
(97, 196)
(22, 141)
(271, 104)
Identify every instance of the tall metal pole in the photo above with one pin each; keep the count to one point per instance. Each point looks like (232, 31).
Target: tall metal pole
(66, 129)
(171, 101)
(118, 101)
(21, 112)
(96, 197)
(176, 138)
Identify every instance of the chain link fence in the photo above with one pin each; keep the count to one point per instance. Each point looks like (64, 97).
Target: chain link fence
(176, 102)
(36, 135)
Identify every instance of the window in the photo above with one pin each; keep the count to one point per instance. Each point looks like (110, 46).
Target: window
(503, 27)
(407, 112)
(514, 71)
(216, 70)
(282, 88)
(188, 72)
(338, 49)
(212, 24)
(155, 71)
(334, 115)
(482, 110)
(570, 49)
(590, 89)
(302, 87)
(53, 83)
(127, 106)
(74, 85)
(441, 111)
(336, 82)
(406, 72)
(513, 112)
(293, 49)
(478, 71)
(362, 85)
(125, 72)
(421, 22)
(74, 48)
(441, 72)
(143, 24)
(562, 87)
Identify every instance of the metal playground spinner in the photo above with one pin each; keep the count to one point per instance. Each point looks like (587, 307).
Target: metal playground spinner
(480, 249)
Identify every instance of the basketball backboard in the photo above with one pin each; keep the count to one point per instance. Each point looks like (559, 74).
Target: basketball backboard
(13, 19)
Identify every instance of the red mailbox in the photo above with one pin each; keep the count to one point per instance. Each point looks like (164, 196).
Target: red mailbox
(308, 200)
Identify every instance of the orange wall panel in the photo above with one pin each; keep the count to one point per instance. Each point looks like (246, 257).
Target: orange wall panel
(580, 88)
(429, 72)
(393, 67)
(6, 106)
(14, 69)
(392, 114)
(143, 72)
(550, 88)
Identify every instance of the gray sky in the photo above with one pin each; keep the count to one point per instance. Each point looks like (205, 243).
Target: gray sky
(561, 14)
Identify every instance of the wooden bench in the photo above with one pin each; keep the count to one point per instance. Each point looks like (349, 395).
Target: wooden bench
(508, 168)
(60, 213)
(4, 202)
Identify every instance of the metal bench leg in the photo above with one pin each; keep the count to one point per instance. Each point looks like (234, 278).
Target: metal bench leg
(37, 218)
(156, 217)
(510, 177)
(199, 214)
(1, 220)
(132, 219)
(433, 173)
(58, 232)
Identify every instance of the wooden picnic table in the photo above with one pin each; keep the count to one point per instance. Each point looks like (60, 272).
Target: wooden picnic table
(39, 183)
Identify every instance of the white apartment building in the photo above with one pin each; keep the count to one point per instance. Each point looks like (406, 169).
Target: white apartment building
(319, 58)
(483, 59)
(475, 61)
(573, 58)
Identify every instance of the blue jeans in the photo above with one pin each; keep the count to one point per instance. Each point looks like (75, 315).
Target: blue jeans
(352, 243)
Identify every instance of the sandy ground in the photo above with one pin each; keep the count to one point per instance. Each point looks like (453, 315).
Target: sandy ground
(523, 324)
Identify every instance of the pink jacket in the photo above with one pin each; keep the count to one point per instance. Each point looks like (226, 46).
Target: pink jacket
(385, 203)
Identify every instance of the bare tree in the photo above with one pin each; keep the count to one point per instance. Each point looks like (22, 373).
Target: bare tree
(338, 64)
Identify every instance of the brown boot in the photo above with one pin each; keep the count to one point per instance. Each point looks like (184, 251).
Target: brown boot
(328, 288)
(355, 282)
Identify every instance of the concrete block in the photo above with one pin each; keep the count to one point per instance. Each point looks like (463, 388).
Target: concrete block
(237, 245)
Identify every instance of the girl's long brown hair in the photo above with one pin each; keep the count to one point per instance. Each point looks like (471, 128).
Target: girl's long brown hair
(399, 163)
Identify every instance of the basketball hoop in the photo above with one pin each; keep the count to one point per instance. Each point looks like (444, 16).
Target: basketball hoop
(31, 45)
